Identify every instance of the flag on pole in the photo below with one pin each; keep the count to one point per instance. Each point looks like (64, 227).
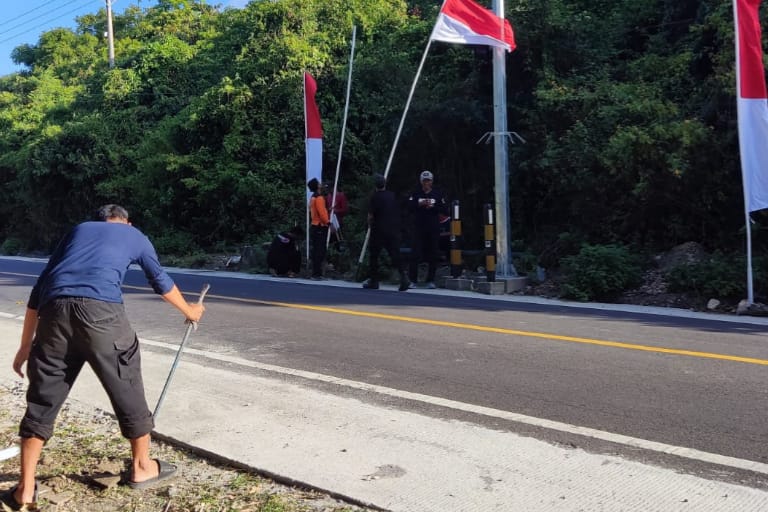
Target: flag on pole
(467, 22)
(313, 131)
(752, 104)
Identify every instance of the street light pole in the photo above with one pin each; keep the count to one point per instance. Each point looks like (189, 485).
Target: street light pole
(504, 267)
(110, 35)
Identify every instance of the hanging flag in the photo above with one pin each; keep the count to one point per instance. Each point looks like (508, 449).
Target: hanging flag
(752, 104)
(467, 22)
(313, 131)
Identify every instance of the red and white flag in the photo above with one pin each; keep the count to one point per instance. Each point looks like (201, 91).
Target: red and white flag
(752, 103)
(313, 131)
(467, 22)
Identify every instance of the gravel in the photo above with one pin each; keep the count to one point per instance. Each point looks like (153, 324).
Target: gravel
(81, 465)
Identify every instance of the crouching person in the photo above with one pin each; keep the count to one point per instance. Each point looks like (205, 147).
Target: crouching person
(283, 256)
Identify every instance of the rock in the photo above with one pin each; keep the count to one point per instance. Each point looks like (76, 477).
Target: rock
(106, 480)
(713, 304)
(60, 498)
(688, 253)
(108, 466)
(754, 309)
(247, 257)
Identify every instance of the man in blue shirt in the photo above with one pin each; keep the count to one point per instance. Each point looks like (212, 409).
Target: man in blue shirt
(75, 314)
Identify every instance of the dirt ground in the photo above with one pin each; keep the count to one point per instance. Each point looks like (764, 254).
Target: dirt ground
(87, 448)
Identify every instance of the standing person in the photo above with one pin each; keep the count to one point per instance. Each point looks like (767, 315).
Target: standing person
(318, 230)
(75, 315)
(426, 204)
(384, 221)
(283, 256)
(338, 206)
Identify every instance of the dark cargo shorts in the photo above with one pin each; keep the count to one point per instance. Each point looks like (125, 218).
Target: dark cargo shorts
(70, 332)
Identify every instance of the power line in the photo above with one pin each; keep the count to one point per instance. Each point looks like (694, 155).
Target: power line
(28, 12)
(46, 22)
(36, 17)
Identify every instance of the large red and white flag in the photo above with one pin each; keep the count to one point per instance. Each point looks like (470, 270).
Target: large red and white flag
(467, 22)
(752, 103)
(313, 131)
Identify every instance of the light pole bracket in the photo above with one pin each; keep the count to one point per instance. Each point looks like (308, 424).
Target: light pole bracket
(512, 137)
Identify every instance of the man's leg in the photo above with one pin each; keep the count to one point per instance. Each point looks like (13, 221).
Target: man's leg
(416, 254)
(142, 466)
(114, 355)
(52, 368)
(294, 261)
(373, 264)
(31, 448)
(393, 249)
(317, 235)
(432, 243)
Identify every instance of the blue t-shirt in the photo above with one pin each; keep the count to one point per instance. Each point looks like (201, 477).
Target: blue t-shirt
(91, 261)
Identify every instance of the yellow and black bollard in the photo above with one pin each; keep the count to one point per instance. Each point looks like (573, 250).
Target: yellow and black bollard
(490, 244)
(455, 240)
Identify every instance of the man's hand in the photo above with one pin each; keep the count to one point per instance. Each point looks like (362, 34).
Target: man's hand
(195, 312)
(192, 311)
(21, 357)
(27, 335)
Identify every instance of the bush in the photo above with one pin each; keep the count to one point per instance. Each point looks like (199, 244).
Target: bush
(11, 246)
(177, 243)
(526, 263)
(599, 272)
(195, 260)
(719, 276)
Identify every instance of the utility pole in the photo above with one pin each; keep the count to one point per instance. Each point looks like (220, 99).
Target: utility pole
(504, 266)
(110, 35)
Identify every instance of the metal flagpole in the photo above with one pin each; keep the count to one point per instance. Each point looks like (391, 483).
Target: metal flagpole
(306, 196)
(397, 136)
(747, 219)
(343, 132)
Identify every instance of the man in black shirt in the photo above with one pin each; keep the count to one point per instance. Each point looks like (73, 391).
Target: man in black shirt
(384, 220)
(426, 204)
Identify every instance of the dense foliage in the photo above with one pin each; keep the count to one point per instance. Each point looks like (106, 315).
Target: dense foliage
(600, 272)
(627, 107)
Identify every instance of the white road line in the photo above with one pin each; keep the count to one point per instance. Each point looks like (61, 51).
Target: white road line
(679, 451)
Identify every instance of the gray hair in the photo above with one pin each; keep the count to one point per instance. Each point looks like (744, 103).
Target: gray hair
(111, 211)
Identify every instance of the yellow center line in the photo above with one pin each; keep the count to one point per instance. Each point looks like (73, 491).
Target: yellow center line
(498, 330)
(528, 334)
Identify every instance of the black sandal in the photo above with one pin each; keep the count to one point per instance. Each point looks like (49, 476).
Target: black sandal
(10, 504)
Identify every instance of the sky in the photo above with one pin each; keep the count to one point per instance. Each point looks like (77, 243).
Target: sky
(22, 21)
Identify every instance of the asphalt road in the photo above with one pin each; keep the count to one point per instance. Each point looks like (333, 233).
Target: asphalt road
(688, 382)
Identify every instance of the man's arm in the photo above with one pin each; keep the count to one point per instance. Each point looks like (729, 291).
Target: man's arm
(27, 335)
(192, 311)
(322, 211)
(413, 202)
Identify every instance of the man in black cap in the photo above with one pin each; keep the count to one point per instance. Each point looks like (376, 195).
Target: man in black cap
(384, 221)
(426, 204)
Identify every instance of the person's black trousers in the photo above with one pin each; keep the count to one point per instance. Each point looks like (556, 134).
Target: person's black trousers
(389, 242)
(72, 331)
(425, 246)
(318, 236)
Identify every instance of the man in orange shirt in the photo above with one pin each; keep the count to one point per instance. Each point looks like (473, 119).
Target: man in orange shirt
(318, 230)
